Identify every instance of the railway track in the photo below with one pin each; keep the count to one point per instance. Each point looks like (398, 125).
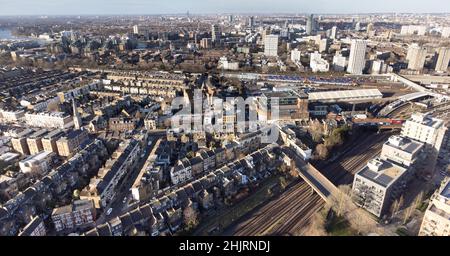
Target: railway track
(341, 170)
(285, 215)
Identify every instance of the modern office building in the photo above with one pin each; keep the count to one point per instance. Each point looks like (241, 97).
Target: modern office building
(416, 57)
(436, 221)
(136, 29)
(378, 184)
(443, 59)
(215, 33)
(333, 34)
(310, 26)
(251, 21)
(271, 45)
(357, 62)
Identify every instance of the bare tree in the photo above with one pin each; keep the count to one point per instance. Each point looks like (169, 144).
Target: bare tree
(322, 151)
(341, 201)
(293, 169)
(316, 130)
(361, 221)
(316, 226)
(190, 217)
(395, 207)
(418, 200)
(408, 213)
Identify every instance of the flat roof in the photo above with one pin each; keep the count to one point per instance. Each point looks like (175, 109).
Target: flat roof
(404, 144)
(386, 174)
(345, 94)
(446, 190)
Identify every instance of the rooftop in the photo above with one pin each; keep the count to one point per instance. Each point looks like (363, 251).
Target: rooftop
(75, 206)
(404, 144)
(382, 172)
(426, 119)
(345, 94)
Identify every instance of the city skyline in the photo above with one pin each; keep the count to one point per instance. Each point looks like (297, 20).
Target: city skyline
(136, 7)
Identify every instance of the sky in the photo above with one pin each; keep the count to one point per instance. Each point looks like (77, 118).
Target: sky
(89, 7)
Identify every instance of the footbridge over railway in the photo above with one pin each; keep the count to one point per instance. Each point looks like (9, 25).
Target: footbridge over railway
(318, 182)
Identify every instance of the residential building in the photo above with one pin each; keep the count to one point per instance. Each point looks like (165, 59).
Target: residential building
(416, 57)
(310, 25)
(19, 142)
(72, 142)
(425, 128)
(79, 214)
(103, 188)
(413, 30)
(205, 43)
(49, 141)
(295, 55)
(401, 150)
(271, 46)
(339, 63)
(318, 64)
(292, 105)
(39, 163)
(215, 33)
(49, 120)
(443, 59)
(357, 62)
(34, 141)
(35, 227)
(378, 184)
(122, 124)
(436, 221)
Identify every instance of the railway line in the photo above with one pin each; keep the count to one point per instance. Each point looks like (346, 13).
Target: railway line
(342, 169)
(290, 213)
(285, 215)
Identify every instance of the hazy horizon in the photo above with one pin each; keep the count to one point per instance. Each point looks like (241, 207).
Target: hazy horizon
(152, 7)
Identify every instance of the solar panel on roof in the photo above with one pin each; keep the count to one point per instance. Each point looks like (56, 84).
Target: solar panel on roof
(384, 179)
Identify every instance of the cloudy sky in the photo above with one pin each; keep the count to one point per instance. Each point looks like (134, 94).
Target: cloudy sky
(80, 7)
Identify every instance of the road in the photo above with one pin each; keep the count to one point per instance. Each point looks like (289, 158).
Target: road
(118, 205)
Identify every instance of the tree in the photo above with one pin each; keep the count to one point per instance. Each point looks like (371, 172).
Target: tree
(293, 170)
(395, 207)
(342, 200)
(316, 226)
(190, 217)
(316, 130)
(418, 200)
(361, 221)
(322, 151)
(408, 213)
